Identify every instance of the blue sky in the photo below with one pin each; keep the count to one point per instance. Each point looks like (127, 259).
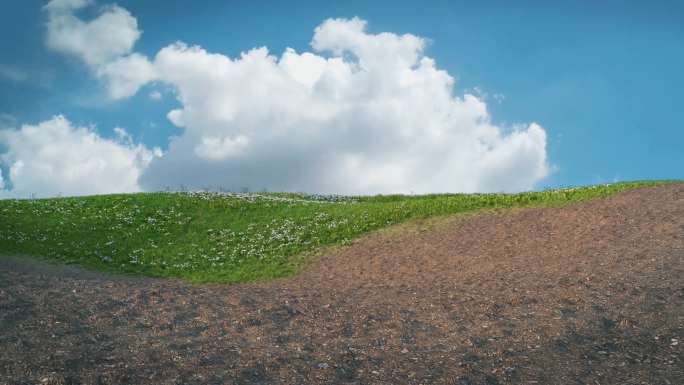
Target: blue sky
(603, 80)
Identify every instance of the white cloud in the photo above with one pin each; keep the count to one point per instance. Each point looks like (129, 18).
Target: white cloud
(155, 95)
(219, 148)
(375, 115)
(110, 35)
(57, 6)
(362, 113)
(377, 52)
(123, 136)
(103, 44)
(54, 157)
(126, 74)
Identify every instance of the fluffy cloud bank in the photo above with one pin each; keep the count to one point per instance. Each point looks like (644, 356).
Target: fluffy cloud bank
(362, 113)
(384, 121)
(104, 44)
(54, 157)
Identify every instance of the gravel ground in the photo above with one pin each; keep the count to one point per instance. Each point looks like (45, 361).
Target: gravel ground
(590, 293)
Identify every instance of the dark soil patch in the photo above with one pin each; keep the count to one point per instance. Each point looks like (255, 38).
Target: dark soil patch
(591, 293)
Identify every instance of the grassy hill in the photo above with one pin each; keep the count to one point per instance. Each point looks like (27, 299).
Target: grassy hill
(217, 237)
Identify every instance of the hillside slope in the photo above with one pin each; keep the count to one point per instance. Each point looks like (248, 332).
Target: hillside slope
(588, 293)
(229, 237)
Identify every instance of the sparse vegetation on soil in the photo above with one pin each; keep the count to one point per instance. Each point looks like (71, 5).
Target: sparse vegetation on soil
(229, 238)
(585, 293)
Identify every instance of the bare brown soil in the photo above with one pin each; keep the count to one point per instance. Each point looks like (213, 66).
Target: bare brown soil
(590, 293)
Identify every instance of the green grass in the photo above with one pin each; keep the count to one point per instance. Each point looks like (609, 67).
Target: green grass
(211, 237)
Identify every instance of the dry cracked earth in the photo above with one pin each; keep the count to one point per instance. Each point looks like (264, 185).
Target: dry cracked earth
(589, 293)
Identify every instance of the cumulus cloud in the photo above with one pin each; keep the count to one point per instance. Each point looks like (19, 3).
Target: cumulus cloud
(126, 74)
(362, 113)
(112, 34)
(103, 43)
(54, 157)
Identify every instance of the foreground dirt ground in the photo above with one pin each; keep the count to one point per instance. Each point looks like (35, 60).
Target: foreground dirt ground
(591, 293)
